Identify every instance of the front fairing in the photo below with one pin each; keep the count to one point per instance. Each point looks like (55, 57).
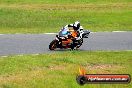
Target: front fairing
(64, 32)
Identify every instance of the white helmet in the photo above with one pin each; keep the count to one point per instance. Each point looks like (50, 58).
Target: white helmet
(76, 25)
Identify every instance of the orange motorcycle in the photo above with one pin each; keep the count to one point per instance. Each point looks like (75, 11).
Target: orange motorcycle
(65, 38)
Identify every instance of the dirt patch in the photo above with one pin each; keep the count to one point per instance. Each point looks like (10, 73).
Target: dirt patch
(66, 6)
(103, 66)
(22, 77)
(56, 67)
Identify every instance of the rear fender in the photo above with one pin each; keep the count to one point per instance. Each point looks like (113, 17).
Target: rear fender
(85, 34)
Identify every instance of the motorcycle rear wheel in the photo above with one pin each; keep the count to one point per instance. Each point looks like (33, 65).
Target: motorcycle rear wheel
(80, 43)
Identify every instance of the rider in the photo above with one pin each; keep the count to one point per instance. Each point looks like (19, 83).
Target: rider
(76, 28)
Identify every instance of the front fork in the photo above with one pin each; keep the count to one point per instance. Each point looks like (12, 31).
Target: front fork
(59, 42)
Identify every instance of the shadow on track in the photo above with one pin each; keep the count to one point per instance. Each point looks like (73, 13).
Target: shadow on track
(64, 50)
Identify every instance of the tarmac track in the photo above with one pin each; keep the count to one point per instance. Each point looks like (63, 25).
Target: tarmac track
(17, 44)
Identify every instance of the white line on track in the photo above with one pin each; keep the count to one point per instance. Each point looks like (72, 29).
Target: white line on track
(90, 32)
(93, 32)
(119, 31)
(4, 56)
(20, 55)
(1, 34)
(50, 33)
(35, 54)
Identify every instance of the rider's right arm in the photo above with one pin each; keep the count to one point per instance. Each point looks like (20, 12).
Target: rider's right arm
(81, 28)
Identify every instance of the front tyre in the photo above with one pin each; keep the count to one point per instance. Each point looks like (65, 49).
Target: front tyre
(53, 45)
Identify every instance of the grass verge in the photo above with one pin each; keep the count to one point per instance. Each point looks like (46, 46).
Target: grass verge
(59, 70)
(40, 17)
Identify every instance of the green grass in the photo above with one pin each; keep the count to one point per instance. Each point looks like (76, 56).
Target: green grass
(62, 1)
(59, 70)
(40, 16)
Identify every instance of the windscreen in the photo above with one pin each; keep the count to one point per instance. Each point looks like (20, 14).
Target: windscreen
(63, 32)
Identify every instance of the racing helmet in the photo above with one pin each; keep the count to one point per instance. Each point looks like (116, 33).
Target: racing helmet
(76, 25)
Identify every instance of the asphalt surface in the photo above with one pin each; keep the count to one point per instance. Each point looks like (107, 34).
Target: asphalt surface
(16, 44)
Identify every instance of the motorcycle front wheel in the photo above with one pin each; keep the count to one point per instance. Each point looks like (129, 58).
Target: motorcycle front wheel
(53, 45)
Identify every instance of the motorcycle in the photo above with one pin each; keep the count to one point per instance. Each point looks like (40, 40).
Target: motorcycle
(64, 40)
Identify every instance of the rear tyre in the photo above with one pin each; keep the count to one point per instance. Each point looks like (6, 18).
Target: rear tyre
(79, 43)
(72, 47)
(53, 45)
